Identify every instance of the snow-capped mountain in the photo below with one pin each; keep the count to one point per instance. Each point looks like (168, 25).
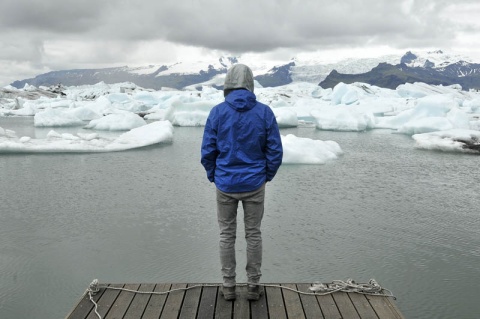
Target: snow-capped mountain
(315, 70)
(431, 59)
(442, 68)
(452, 65)
(434, 67)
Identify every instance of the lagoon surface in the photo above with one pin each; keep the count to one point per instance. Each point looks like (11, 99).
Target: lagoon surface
(385, 210)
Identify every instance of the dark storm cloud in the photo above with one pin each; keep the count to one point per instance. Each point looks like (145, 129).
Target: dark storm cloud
(50, 34)
(269, 24)
(249, 25)
(55, 16)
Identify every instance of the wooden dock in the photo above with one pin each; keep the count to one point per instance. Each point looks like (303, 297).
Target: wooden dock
(207, 302)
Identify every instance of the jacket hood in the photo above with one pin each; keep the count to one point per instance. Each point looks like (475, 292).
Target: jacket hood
(241, 100)
(239, 76)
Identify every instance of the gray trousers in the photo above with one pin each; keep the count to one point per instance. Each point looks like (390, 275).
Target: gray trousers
(253, 207)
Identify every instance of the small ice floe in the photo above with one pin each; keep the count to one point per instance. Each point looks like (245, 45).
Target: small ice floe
(300, 150)
(456, 140)
(56, 117)
(285, 117)
(121, 121)
(343, 118)
(187, 113)
(149, 134)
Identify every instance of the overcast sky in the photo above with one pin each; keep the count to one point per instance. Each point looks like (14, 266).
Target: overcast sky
(37, 36)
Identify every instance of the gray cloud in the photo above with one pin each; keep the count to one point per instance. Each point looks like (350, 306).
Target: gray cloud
(51, 34)
(266, 25)
(59, 17)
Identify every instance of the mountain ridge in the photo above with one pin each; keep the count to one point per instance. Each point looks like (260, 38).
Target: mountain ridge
(434, 67)
(413, 69)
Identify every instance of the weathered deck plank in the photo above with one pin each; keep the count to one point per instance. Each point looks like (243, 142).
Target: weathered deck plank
(84, 306)
(191, 302)
(120, 307)
(259, 309)
(156, 303)
(206, 302)
(293, 304)
(241, 307)
(105, 302)
(364, 309)
(139, 302)
(174, 302)
(384, 308)
(345, 306)
(310, 304)
(224, 309)
(276, 306)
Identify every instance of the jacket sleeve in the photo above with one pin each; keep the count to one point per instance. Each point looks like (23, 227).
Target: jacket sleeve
(274, 149)
(209, 149)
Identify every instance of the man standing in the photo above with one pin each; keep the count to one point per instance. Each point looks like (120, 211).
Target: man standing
(241, 151)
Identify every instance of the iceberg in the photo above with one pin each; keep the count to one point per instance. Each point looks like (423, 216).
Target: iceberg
(342, 119)
(194, 113)
(285, 117)
(57, 117)
(411, 109)
(153, 133)
(121, 121)
(456, 140)
(300, 150)
(430, 113)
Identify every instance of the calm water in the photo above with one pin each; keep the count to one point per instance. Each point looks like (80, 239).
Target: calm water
(407, 218)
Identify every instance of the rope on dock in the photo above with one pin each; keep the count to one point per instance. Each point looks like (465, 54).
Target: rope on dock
(370, 288)
(92, 290)
(317, 289)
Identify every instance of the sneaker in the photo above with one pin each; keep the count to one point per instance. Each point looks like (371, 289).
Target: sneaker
(254, 292)
(228, 293)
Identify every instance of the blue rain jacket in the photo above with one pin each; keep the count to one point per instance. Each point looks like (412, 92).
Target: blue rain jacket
(241, 147)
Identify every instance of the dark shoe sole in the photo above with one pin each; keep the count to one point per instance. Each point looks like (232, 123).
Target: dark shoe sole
(229, 295)
(254, 296)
